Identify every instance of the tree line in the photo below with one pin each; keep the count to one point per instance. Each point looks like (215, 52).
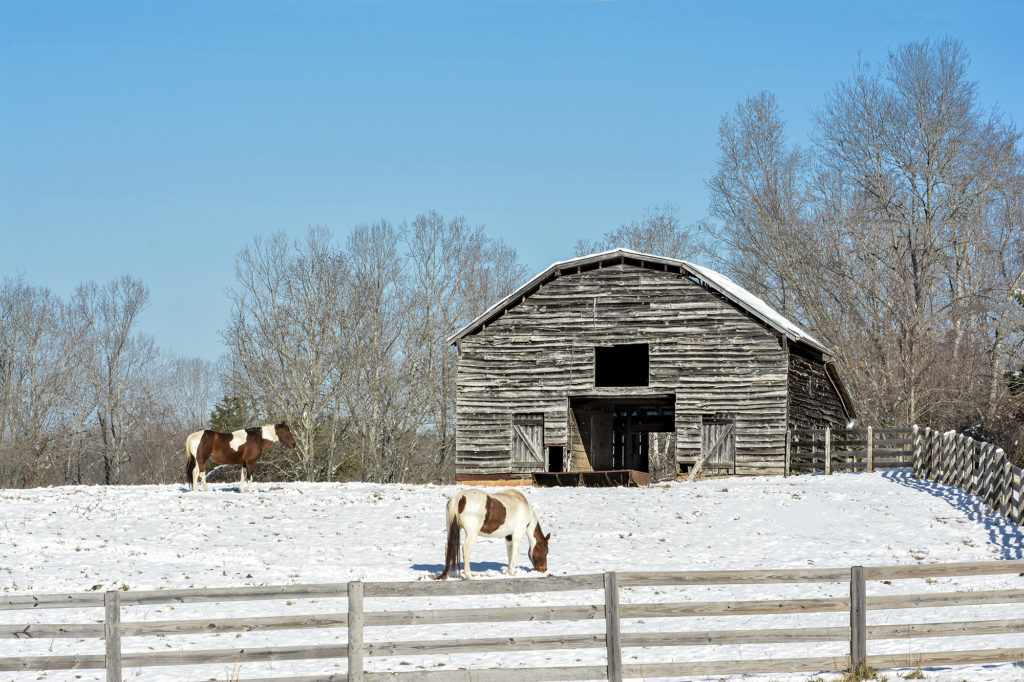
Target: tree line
(347, 342)
(896, 237)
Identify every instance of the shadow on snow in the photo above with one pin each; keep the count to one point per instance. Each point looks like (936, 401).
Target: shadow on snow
(1001, 531)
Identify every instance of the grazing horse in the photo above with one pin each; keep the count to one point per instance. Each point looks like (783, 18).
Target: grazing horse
(504, 514)
(239, 447)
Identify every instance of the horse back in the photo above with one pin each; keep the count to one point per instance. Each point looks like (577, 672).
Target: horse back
(502, 513)
(223, 448)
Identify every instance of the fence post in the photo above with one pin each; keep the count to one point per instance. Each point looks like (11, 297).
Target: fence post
(871, 450)
(611, 624)
(828, 452)
(917, 447)
(944, 457)
(112, 634)
(789, 453)
(1006, 487)
(858, 619)
(355, 631)
(970, 456)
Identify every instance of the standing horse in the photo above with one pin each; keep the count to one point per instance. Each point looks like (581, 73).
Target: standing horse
(244, 446)
(504, 514)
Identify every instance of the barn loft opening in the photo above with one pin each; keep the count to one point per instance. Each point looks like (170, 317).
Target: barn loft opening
(625, 364)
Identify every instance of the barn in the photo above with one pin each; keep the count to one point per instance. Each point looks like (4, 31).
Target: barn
(580, 368)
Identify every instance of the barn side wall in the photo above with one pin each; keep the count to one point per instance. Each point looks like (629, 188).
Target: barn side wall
(814, 401)
(713, 357)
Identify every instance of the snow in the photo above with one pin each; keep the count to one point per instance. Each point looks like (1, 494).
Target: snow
(754, 304)
(75, 539)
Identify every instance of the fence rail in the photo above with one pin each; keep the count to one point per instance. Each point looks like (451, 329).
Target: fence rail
(845, 450)
(352, 646)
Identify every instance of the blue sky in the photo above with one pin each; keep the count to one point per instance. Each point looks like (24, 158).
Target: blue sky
(158, 138)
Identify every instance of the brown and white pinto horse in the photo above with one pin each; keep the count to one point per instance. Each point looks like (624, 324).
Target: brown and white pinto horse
(504, 514)
(244, 446)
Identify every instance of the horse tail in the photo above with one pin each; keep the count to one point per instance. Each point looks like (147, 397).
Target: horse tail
(191, 446)
(451, 554)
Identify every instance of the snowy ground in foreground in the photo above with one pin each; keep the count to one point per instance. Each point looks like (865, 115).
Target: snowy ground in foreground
(156, 537)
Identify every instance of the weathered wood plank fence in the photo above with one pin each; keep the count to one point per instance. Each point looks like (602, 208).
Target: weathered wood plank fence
(859, 603)
(843, 450)
(975, 467)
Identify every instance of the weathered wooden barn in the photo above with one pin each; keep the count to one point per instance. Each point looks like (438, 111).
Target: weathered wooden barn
(577, 368)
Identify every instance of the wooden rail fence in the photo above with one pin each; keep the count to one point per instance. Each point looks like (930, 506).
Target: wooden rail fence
(835, 450)
(858, 603)
(975, 467)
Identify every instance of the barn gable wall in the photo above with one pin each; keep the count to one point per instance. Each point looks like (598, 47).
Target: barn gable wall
(712, 357)
(814, 402)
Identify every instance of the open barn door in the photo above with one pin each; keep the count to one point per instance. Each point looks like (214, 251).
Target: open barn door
(528, 443)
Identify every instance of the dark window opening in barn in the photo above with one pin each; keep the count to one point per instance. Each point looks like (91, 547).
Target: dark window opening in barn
(622, 365)
(556, 455)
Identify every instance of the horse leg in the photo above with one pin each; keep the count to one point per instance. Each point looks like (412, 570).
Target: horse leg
(467, 547)
(241, 481)
(248, 469)
(513, 546)
(199, 473)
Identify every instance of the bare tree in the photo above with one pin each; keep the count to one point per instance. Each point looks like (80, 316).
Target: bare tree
(897, 240)
(289, 334)
(658, 232)
(35, 385)
(194, 387)
(382, 400)
(451, 270)
(115, 361)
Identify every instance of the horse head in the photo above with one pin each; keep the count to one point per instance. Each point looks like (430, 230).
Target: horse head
(539, 551)
(284, 435)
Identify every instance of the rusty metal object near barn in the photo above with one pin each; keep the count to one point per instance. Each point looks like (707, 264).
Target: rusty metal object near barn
(578, 369)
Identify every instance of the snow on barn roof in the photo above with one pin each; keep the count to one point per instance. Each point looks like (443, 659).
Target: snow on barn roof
(715, 281)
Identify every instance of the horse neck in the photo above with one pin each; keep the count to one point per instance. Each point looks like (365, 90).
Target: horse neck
(532, 526)
(269, 432)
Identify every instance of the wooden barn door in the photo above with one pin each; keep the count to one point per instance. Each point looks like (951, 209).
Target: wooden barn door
(528, 443)
(718, 445)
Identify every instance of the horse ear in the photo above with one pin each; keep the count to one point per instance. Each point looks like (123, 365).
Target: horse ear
(547, 537)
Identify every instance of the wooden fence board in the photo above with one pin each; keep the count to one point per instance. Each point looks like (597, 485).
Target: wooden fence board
(913, 601)
(946, 658)
(52, 630)
(494, 615)
(252, 624)
(957, 629)
(962, 568)
(747, 577)
(72, 662)
(734, 608)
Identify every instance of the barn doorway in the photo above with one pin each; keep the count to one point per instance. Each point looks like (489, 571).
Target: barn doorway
(528, 443)
(616, 433)
(718, 444)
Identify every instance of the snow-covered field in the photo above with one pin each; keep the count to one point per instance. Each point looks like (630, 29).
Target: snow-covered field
(154, 537)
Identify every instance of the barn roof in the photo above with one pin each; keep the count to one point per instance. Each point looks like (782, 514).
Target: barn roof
(708, 278)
